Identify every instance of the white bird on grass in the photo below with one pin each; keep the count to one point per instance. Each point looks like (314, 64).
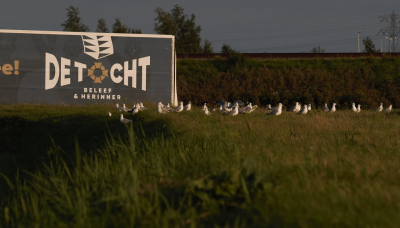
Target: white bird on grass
(188, 106)
(227, 106)
(224, 106)
(234, 111)
(179, 108)
(249, 108)
(303, 111)
(388, 109)
(333, 109)
(166, 107)
(161, 108)
(142, 106)
(353, 107)
(326, 109)
(109, 114)
(269, 107)
(379, 109)
(309, 107)
(119, 108)
(277, 111)
(358, 108)
(295, 108)
(206, 111)
(135, 108)
(204, 107)
(221, 109)
(123, 120)
(125, 109)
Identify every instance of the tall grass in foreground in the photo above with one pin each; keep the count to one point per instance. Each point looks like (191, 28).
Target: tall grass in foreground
(191, 170)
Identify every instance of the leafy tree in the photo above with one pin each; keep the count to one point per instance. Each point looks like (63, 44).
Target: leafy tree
(369, 46)
(74, 22)
(318, 49)
(226, 48)
(136, 31)
(101, 25)
(183, 27)
(118, 27)
(207, 48)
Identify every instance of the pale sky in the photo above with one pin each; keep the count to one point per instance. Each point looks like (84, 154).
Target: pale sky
(251, 26)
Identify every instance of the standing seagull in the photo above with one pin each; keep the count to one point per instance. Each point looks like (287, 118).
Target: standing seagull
(303, 111)
(161, 109)
(309, 107)
(358, 108)
(135, 109)
(166, 107)
(142, 106)
(388, 109)
(353, 107)
(224, 105)
(333, 109)
(295, 108)
(326, 109)
(206, 111)
(276, 112)
(123, 120)
(379, 109)
(204, 107)
(188, 106)
(125, 109)
(271, 108)
(234, 111)
(119, 108)
(248, 109)
(179, 108)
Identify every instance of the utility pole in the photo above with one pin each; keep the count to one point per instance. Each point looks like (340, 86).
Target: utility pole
(359, 31)
(393, 30)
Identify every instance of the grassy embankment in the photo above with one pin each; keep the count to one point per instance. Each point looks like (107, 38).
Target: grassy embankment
(188, 169)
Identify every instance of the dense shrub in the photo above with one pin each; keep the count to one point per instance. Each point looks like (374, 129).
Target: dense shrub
(366, 81)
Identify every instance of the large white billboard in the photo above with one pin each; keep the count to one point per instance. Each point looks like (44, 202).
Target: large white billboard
(80, 68)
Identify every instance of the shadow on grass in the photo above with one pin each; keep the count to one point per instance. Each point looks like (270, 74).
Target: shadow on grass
(24, 143)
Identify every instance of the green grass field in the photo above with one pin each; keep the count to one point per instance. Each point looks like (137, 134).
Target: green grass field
(73, 166)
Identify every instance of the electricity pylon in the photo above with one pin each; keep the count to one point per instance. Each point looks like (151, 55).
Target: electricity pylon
(393, 30)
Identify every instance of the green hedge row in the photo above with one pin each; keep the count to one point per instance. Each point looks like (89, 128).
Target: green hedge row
(366, 81)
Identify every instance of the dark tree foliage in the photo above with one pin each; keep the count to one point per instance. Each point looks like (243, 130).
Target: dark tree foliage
(369, 46)
(226, 48)
(308, 81)
(118, 27)
(183, 27)
(101, 25)
(136, 31)
(74, 22)
(318, 49)
(207, 48)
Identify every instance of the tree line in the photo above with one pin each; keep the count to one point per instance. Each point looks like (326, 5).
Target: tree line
(175, 22)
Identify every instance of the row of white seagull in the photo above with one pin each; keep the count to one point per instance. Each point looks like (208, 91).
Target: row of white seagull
(233, 109)
(135, 109)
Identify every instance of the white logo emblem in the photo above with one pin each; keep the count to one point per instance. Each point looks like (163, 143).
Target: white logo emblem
(98, 46)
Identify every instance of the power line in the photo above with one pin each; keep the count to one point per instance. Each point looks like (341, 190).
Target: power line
(304, 45)
(322, 32)
(393, 30)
